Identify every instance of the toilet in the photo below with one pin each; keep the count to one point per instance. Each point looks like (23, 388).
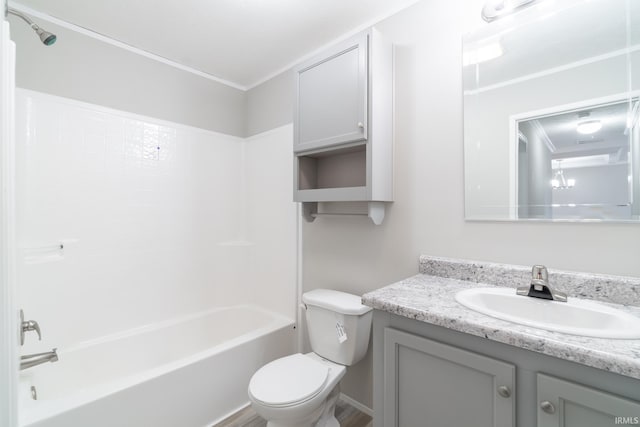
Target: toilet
(301, 390)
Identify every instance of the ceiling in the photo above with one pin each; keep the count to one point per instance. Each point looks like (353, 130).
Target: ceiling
(611, 141)
(240, 41)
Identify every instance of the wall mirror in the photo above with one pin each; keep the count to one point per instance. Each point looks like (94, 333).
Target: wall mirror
(551, 113)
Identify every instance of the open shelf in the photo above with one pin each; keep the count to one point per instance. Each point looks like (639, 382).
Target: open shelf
(341, 168)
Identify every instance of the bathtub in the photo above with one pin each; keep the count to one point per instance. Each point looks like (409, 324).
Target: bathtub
(191, 371)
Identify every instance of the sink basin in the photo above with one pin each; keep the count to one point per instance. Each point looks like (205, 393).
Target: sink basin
(576, 317)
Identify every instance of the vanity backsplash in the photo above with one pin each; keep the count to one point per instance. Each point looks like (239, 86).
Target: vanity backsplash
(614, 289)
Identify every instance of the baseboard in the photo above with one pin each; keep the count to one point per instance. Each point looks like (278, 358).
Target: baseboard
(359, 406)
(224, 417)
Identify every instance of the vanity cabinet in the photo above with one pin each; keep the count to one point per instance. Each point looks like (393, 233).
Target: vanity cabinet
(343, 133)
(566, 404)
(431, 384)
(430, 376)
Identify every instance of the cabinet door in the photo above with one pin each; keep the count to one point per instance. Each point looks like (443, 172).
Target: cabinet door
(566, 404)
(429, 384)
(331, 99)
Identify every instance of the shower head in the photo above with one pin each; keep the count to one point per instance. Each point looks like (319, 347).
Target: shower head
(45, 36)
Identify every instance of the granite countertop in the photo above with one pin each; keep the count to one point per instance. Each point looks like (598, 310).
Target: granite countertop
(431, 299)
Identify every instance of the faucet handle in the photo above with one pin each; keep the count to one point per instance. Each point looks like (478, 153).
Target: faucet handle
(26, 326)
(539, 272)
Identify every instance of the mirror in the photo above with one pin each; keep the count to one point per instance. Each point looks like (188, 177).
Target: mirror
(551, 113)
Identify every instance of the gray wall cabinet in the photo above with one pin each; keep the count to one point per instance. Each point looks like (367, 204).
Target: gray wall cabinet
(343, 126)
(331, 102)
(430, 376)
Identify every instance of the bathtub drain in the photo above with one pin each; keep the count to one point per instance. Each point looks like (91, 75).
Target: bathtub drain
(34, 393)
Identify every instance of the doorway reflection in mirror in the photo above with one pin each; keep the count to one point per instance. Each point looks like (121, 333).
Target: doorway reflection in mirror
(579, 163)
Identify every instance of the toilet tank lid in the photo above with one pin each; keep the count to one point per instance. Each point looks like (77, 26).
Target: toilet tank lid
(340, 302)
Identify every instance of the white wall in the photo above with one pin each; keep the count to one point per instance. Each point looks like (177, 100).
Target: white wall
(270, 104)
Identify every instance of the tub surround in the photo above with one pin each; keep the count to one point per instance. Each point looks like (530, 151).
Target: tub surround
(430, 297)
(201, 369)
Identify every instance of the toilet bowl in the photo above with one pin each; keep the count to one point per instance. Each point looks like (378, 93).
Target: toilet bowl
(301, 390)
(297, 391)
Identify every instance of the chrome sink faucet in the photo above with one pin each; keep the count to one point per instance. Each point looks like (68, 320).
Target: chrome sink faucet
(30, 360)
(539, 287)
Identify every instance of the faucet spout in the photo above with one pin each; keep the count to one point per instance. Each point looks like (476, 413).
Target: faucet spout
(539, 287)
(30, 360)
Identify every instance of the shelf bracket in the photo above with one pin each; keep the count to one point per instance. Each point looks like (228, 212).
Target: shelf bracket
(376, 212)
(309, 211)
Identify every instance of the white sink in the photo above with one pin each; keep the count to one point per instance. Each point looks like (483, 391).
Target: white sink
(576, 317)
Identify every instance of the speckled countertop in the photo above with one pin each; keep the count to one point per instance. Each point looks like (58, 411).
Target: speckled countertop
(431, 299)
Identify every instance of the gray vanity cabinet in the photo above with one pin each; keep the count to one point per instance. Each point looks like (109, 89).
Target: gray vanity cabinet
(331, 101)
(566, 404)
(429, 384)
(426, 375)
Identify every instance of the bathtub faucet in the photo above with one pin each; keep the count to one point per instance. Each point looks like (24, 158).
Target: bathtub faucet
(30, 360)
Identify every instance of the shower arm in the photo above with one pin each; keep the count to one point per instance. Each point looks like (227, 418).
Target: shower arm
(25, 18)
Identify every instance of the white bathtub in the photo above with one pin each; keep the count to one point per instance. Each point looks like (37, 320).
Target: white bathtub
(186, 372)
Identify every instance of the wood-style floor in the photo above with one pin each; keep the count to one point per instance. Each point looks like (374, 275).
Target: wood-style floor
(347, 416)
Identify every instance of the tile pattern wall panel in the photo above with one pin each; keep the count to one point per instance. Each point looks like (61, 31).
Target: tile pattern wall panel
(141, 207)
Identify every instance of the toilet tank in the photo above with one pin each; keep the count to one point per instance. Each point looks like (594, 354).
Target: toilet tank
(338, 325)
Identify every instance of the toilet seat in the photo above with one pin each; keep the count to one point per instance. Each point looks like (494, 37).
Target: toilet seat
(288, 381)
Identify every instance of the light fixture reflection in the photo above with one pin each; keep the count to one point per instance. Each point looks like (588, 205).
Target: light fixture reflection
(559, 182)
(482, 54)
(589, 127)
(495, 9)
